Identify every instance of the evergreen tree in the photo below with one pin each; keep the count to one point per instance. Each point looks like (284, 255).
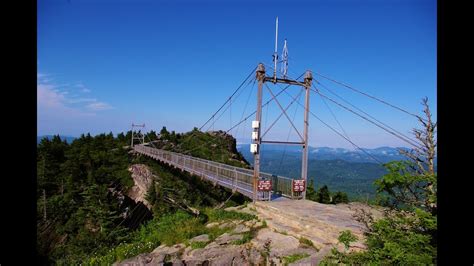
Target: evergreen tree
(340, 197)
(323, 195)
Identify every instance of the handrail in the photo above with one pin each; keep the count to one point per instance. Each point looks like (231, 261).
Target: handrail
(237, 178)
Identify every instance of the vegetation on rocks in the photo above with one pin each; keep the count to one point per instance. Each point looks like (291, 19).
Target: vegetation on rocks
(294, 257)
(216, 146)
(84, 214)
(407, 234)
(323, 195)
(169, 229)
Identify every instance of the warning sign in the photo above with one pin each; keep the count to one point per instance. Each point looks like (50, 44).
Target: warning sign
(299, 185)
(264, 185)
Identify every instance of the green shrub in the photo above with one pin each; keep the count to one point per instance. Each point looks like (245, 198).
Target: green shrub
(306, 242)
(222, 215)
(340, 197)
(294, 257)
(198, 244)
(346, 237)
(247, 236)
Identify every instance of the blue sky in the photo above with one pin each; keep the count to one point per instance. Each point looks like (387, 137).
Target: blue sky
(105, 64)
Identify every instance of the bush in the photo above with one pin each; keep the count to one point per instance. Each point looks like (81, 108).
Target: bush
(346, 237)
(340, 197)
(222, 215)
(323, 196)
(294, 257)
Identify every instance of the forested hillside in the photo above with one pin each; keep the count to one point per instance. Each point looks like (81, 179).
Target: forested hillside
(354, 178)
(82, 207)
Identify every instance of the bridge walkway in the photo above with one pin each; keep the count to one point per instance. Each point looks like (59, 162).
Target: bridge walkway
(234, 178)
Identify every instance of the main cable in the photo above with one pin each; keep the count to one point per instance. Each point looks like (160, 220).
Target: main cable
(365, 118)
(370, 155)
(333, 93)
(367, 95)
(243, 82)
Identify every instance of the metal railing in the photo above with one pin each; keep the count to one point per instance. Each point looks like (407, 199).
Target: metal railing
(235, 178)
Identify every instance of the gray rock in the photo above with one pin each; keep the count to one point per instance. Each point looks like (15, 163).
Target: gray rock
(209, 225)
(196, 262)
(163, 253)
(241, 229)
(140, 260)
(226, 224)
(177, 262)
(227, 238)
(278, 243)
(308, 261)
(200, 238)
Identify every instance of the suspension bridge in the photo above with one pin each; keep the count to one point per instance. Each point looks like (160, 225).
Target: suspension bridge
(259, 185)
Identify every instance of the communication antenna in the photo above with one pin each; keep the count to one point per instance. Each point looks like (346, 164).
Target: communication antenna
(275, 54)
(284, 56)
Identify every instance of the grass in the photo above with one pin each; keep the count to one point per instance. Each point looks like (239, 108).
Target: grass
(295, 257)
(222, 215)
(247, 236)
(169, 229)
(307, 243)
(198, 244)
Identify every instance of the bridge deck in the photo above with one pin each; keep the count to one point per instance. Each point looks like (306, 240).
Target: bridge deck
(235, 178)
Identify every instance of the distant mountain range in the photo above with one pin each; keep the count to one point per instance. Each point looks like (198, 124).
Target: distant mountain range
(351, 171)
(383, 154)
(68, 139)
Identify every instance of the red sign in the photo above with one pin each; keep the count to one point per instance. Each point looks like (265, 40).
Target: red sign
(264, 185)
(299, 185)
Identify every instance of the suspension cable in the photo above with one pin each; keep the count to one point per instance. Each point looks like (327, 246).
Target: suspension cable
(288, 137)
(332, 92)
(367, 95)
(243, 82)
(365, 118)
(228, 106)
(338, 133)
(245, 119)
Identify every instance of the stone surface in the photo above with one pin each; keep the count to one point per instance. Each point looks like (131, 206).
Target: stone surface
(140, 260)
(200, 238)
(241, 229)
(226, 238)
(213, 224)
(287, 221)
(320, 223)
(226, 224)
(142, 178)
(278, 242)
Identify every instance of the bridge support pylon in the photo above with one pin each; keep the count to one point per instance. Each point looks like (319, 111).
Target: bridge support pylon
(257, 140)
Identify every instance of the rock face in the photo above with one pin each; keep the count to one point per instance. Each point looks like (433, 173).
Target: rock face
(287, 222)
(143, 179)
(320, 223)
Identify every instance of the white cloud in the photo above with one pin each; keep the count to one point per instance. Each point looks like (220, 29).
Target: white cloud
(48, 97)
(53, 99)
(98, 106)
(83, 88)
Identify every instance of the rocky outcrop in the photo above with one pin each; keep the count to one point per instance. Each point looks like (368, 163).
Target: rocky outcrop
(266, 247)
(288, 223)
(320, 223)
(143, 178)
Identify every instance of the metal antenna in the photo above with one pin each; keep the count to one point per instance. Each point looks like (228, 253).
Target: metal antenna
(284, 55)
(275, 54)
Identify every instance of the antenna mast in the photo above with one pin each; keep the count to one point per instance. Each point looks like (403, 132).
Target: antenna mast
(275, 54)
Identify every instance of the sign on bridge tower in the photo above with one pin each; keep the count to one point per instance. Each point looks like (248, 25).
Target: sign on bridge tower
(257, 140)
